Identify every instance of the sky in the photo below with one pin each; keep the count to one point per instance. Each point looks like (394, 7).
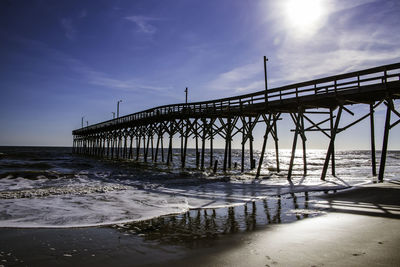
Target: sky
(61, 60)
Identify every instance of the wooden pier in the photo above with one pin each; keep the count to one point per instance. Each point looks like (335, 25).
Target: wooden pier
(140, 136)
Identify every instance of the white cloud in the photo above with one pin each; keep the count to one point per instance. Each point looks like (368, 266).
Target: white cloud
(340, 45)
(143, 23)
(337, 51)
(353, 35)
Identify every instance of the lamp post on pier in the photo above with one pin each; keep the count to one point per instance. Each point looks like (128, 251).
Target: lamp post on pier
(82, 121)
(186, 93)
(119, 101)
(266, 82)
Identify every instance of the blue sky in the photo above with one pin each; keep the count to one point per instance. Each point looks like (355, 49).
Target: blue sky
(61, 60)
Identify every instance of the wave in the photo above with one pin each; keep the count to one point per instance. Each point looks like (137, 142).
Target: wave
(50, 191)
(57, 189)
(35, 175)
(24, 165)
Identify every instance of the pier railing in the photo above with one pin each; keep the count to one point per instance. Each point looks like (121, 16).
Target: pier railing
(319, 87)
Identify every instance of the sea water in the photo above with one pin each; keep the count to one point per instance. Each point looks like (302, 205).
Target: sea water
(51, 187)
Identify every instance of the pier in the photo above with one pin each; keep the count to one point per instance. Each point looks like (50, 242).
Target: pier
(315, 105)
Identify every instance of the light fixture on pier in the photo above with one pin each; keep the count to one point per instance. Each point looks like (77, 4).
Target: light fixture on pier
(119, 101)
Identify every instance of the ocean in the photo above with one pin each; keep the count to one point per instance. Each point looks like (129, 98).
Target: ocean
(49, 187)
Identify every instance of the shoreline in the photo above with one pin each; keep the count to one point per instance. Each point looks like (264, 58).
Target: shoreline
(234, 236)
(359, 229)
(281, 190)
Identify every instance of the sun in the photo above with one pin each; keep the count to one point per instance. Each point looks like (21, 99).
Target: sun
(304, 15)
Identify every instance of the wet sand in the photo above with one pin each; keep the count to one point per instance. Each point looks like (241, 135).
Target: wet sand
(358, 227)
(362, 228)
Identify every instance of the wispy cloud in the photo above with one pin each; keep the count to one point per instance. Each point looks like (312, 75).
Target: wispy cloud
(238, 79)
(69, 24)
(144, 24)
(69, 28)
(94, 77)
(82, 14)
(88, 74)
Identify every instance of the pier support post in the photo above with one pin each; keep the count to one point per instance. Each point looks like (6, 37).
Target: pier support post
(203, 143)
(118, 145)
(138, 137)
(304, 139)
(162, 147)
(105, 146)
(145, 147)
(130, 156)
(211, 142)
(331, 144)
(152, 146)
(230, 149)
(96, 146)
(124, 155)
(182, 137)
(185, 143)
(100, 145)
(108, 147)
(296, 120)
(267, 130)
(243, 143)
(197, 144)
(171, 134)
(121, 146)
(389, 104)
(227, 140)
(157, 145)
(251, 139)
(276, 139)
(373, 158)
(113, 137)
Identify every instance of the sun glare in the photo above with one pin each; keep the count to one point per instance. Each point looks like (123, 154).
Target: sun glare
(304, 15)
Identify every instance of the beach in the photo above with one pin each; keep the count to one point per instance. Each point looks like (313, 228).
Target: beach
(357, 227)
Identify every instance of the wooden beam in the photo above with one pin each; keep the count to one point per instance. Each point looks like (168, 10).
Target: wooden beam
(296, 120)
(331, 144)
(373, 159)
(203, 143)
(385, 141)
(268, 128)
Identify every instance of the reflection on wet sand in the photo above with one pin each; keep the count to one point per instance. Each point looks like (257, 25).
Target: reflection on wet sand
(198, 227)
